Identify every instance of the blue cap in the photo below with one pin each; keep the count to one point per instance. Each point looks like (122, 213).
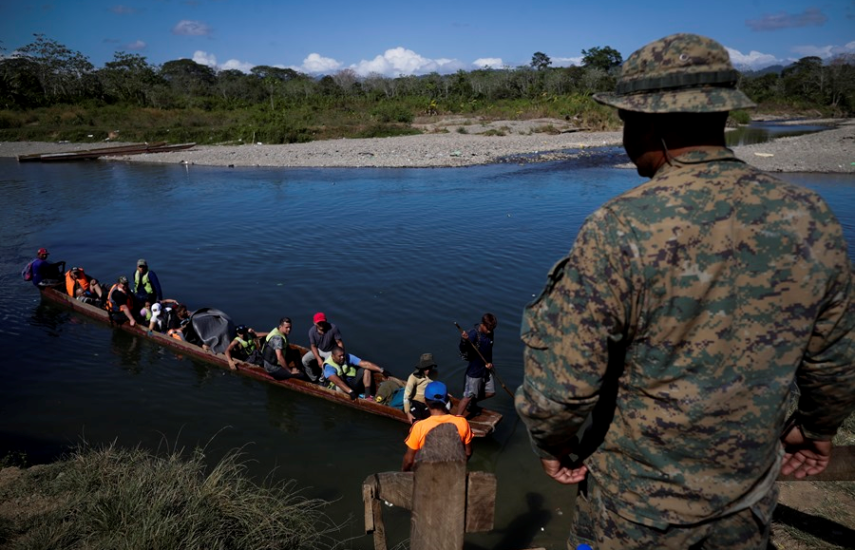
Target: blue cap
(436, 391)
(584, 546)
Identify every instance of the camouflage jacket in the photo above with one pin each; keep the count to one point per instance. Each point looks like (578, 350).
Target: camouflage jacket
(693, 301)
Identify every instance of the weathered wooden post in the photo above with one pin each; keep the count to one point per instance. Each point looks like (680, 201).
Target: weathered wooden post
(445, 501)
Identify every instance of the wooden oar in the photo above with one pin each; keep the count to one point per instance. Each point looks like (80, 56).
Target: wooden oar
(478, 351)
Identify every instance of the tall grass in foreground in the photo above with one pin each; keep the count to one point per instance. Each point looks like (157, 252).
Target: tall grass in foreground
(131, 499)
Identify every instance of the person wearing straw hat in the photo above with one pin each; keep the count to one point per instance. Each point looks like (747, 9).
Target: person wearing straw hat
(414, 391)
(679, 322)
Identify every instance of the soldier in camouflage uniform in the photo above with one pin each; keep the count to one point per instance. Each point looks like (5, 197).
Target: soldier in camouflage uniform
(689, 306)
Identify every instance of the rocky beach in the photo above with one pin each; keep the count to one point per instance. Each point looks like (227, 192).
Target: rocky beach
(454, 142)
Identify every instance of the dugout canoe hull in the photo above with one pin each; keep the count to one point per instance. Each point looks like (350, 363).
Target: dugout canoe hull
(482, 425)
(91, 154)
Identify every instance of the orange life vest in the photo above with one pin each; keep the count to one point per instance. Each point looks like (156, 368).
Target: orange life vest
(70, 283)
(112, 306)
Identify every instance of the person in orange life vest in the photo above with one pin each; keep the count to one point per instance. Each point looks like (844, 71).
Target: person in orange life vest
(436, 397)
(177, 322)
(81, 286)
(120, 302)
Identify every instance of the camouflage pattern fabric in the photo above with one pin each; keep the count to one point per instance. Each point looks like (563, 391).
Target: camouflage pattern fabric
(681, 73)
(710, 288)
(748, 529)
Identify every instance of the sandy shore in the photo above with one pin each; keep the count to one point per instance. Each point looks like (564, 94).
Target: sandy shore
(828, 151)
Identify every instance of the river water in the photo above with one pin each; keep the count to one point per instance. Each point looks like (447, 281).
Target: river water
(393, 257)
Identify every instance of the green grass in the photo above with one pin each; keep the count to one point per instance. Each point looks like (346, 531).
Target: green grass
(114, 498)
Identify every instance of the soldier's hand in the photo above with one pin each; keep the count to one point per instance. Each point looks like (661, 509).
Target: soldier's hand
(562, 473)
(802, 456)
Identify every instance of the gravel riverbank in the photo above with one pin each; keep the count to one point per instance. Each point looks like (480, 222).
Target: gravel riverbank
(827, 151)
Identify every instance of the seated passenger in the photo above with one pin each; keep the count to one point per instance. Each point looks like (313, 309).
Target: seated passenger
(274, 352)
(177, 319)
(155, 320)
(120, 302)
(414, 392)
(350, 374)
(81, 286)
(244, 347)
(44, 272)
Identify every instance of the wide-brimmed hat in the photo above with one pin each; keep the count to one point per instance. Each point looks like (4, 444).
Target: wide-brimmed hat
(426, 362)
(436, 391)
(681, 73)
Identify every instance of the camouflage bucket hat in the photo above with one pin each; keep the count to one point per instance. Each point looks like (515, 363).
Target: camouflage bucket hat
(681, 73)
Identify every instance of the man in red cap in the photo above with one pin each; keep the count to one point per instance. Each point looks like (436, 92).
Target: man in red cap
(323, 337)
(45, 271)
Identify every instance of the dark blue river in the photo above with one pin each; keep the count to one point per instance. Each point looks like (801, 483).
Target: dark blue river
(393, 257)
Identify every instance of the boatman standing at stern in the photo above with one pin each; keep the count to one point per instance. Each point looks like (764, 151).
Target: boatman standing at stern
(476, 345)
(693, 301)
(146, 285)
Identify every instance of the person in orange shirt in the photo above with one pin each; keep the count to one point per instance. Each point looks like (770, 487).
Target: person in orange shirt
(81, 286)
(436, 397)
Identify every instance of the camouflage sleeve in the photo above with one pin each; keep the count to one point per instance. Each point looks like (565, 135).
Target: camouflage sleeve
(826, 377)
(567, 330)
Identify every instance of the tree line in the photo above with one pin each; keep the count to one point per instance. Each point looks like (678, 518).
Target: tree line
(46, 74)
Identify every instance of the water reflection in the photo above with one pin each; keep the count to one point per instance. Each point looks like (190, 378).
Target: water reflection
(762, 132)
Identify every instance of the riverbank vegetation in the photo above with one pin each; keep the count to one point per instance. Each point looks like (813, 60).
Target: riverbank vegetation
(49, 93)
(128, 499)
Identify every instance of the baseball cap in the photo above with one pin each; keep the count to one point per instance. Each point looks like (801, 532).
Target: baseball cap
(141, 262)
(436, 391)
(155, 309)
(680, 73)
(123, 279)
(42, 251)
(320, 318)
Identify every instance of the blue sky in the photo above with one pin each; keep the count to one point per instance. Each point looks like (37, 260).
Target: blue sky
(393, 38)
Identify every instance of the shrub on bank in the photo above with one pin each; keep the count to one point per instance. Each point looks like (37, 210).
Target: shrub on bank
(117, 498)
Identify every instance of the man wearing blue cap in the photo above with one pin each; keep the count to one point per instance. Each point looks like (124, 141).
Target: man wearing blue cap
(436, 397)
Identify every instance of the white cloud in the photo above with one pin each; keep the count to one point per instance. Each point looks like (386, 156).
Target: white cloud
(754, 60)
(825, 52)
(491, 62)
(811, 17)
(566, 61)
(234, 64)
(136, 45)
(205, 58)
(191, 28)
(210, 60)
(316, 63)
(401, 61)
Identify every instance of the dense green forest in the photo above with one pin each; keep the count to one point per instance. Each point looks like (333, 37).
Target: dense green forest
(50, 92)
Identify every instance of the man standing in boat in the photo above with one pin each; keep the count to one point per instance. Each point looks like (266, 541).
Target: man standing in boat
(476, 345)
(146, 285)
(44, 271)
(679, 321)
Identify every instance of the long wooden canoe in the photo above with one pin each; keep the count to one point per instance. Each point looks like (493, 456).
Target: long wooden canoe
(482, 425)
(121, 150)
